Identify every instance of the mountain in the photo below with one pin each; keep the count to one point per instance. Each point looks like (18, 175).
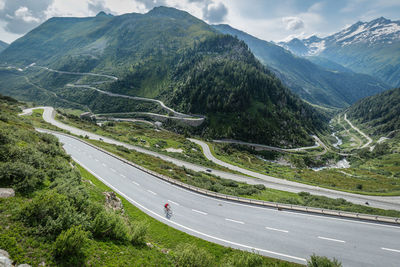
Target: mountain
(381, 112)
(332, 85)
(366, 47)
(165, 54)
(3, 45)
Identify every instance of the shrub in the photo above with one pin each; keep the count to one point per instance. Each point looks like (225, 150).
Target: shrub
(22, 176)
(69, 244)
(322, 261)
(139, 232)
(110, 225)
(191, 256)
(49, 214)
(245, 259)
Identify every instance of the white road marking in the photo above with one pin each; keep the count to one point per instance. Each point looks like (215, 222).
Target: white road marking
(123, 176)
(173, 202)
(90, 156)
(226, 219)
(104, 164)
(290, 212)
(96, 160)
(113, 170)
(279, 230)
(151, 192)
(201, 212)
(331, 239)
(390, 249)
(161, 217)
(135, 183)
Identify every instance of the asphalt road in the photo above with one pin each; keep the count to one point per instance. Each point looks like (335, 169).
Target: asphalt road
(286, 235)
(369, 140)
(268, 181)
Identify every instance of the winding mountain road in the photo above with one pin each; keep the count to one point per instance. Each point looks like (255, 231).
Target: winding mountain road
(369, 140)
(280, 234)
(268, 181)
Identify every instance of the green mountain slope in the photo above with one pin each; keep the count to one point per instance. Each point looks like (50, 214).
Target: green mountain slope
(380, 113)
(170, 55)
(331, 85)
(3, 46)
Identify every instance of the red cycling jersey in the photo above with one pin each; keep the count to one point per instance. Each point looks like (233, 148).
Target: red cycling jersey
(166, 205)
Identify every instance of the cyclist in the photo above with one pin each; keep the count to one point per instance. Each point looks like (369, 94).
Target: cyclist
(167, 207)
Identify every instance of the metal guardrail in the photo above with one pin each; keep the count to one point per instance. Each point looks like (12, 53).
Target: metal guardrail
(279, 206)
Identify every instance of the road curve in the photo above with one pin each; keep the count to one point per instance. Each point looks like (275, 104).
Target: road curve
(285, 235)
(268, 181)
(168, 109)
(359, 131)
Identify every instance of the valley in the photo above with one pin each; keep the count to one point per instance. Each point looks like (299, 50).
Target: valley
(164, 139)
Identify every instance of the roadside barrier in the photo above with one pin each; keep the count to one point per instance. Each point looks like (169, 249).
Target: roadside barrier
(279, 206)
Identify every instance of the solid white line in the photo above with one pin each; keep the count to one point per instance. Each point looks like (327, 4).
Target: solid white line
(123, 176)
(162, 218)
(390, 249)
(151, 192)
(234, 221)
(331, 239)
(173, 202)
(279, 230)
(204, 213)
(113, 170)
(136, 183)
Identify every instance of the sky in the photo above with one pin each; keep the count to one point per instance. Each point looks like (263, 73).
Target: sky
(271, 20)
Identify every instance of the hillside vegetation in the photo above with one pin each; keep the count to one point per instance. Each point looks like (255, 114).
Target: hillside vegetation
(380, 114)
(166, 54)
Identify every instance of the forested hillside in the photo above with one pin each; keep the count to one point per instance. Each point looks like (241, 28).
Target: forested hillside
(381, 112)
(331, 85)
(166, 54)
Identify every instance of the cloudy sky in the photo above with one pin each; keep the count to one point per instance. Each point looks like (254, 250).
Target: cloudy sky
(267, 19)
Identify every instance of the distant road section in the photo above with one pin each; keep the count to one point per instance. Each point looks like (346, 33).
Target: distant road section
(73, 73)
(369, 140)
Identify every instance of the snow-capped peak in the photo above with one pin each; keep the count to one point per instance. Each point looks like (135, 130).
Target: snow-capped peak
(380, 30)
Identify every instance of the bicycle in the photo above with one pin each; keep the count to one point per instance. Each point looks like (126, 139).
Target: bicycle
(168, 212)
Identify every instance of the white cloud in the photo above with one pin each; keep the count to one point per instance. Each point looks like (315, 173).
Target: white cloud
(293, 23)
(25, 14)
(2, 4)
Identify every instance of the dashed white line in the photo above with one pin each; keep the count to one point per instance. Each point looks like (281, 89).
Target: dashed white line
(226, 219)
(135, 183)
(96, 160)
(123, 176)
(113, 170)
(173, 202)
(279, 230)
(104, 164)
(151, 192)
(185, 227)
(201, 212)
(390, 249)
(331, 239)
